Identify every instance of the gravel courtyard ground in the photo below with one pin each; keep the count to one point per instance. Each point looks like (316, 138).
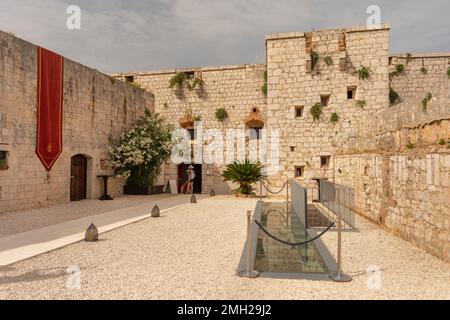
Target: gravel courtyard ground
(193, 251)
(22, 221)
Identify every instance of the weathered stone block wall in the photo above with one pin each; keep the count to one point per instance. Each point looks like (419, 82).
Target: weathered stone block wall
(422, 73)
(237, 88)
(293, 82)
(97, 109)
(407, 193)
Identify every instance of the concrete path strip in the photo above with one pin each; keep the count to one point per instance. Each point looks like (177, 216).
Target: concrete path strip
(25, 245)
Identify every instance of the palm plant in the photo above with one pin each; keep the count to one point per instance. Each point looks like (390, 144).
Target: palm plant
(245, 174)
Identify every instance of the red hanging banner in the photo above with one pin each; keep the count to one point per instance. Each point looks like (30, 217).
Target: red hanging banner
(50, 107)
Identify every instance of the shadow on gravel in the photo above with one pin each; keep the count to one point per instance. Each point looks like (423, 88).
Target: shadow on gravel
(35, 275)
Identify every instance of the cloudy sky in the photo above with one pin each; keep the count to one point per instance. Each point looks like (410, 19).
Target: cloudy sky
(142, 35)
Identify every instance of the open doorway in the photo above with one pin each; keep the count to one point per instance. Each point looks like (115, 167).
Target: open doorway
(183, 177)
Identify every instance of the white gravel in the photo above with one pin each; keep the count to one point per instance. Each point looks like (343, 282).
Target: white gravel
(192, 253)
(22, 221)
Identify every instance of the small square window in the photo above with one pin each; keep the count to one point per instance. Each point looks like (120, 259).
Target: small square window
(351, 93)
(129, 79)
(299, 171)
(299, 111)
(255, 133)
(325, 161)
(325, 99)
(3, 161)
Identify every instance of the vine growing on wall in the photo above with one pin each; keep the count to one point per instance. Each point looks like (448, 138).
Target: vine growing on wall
(408, 57)
(316, 111)
(393, 97)
(448, 72)
(314, 59)
(399, 69)
(361, 103)
(264, 86)
(423, 70)
(363, 73)
(328, 60)
(426, 100)
(196, 83)
(177, 82)
(221, 114)
(334, 118)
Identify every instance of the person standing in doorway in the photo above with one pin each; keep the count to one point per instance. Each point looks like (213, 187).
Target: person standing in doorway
(191, 177)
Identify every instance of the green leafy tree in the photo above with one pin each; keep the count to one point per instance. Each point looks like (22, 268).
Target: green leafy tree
(142, 150)
(245, 174)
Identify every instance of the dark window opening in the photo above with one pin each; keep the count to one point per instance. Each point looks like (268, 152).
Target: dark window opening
(292, 148)
(325, 161)
(190, 74)
(255, 133)
(3, 161)
(129, 79)
(192, 134)
(299, 111)
(351, 93)
(325, 99)
(299, 171)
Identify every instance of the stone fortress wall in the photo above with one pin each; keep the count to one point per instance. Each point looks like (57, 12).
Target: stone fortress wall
(97, 109)
(396, 157)
(404, 182)
(236, 88)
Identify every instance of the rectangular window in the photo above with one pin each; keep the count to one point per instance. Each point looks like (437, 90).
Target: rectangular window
(299, 171)
(325, 161)
(325, 99)
(255, 133)
(351, 93)
(3, 161)
(190, 74)
(192, 134)
(129, 79)
(299, 111)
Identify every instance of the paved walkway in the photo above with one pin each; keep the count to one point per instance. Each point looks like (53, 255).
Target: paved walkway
(20, 246)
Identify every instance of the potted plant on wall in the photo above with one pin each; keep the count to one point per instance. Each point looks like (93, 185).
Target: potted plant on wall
(141, 153)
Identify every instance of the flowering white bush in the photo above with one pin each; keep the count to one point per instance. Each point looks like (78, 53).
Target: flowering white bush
(143, 150)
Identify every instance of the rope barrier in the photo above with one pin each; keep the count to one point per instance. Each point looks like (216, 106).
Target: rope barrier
(270, 191)
(279, 212)
(294, 245)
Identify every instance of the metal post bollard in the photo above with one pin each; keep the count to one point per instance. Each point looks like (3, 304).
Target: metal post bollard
(287, 197)
(339, 276)
(248, 273)
(260, 190)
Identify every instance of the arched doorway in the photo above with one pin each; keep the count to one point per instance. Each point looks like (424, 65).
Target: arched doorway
(78, 178)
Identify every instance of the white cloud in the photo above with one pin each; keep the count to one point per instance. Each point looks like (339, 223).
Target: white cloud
(119, 35)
